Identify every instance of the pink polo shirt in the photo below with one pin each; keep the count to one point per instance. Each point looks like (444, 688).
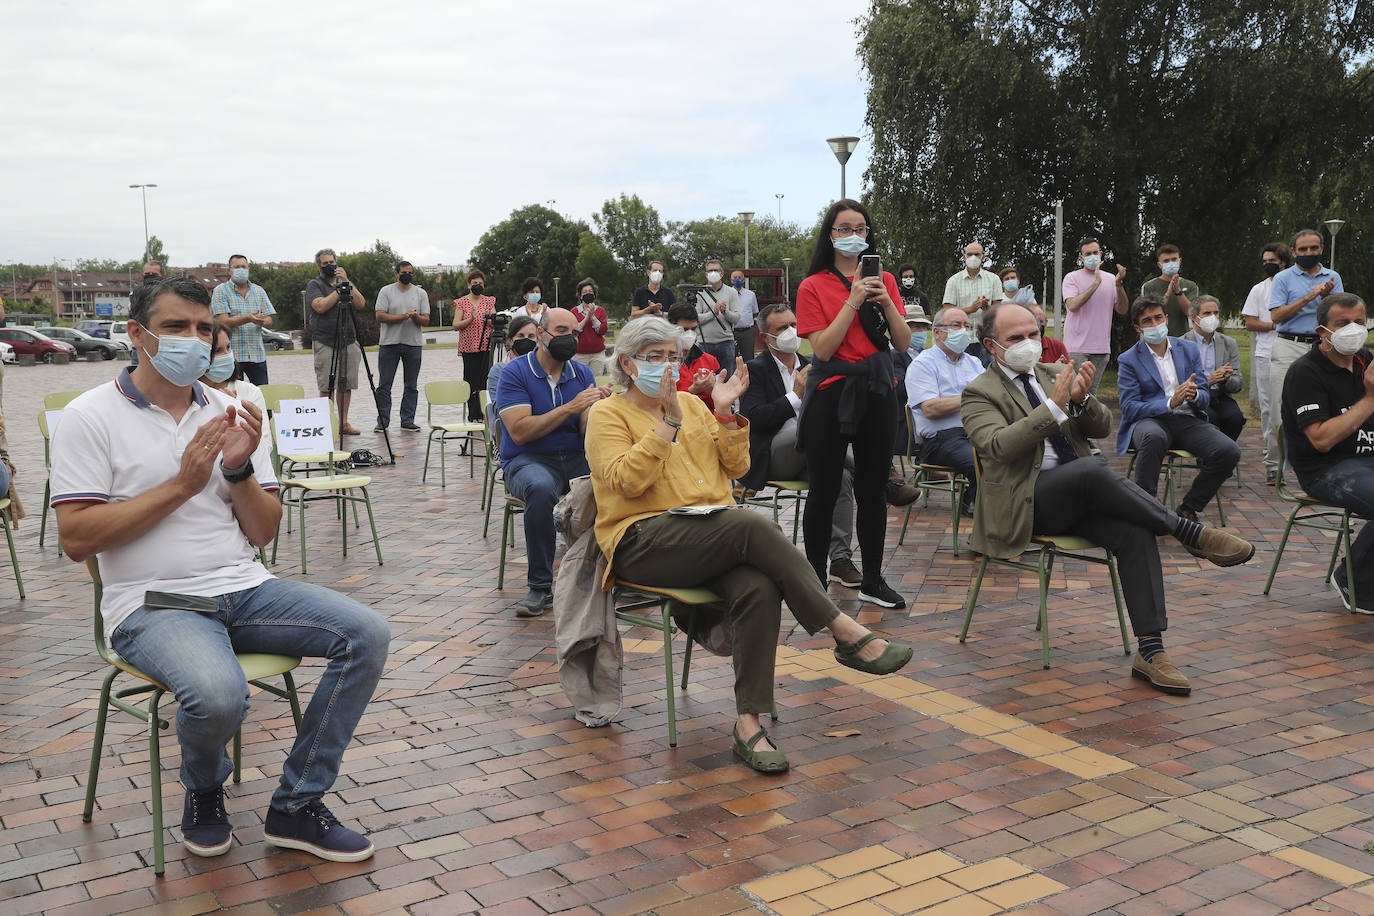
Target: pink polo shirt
(1089, 330)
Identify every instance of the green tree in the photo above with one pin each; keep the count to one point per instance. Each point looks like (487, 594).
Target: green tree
(1187, 121)
(631, 230)
(534, 241)
(156, 252)
(615, 285)
(690, 244)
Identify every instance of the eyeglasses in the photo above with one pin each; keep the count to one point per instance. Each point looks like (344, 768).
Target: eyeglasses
(657, 359)
(845, 232)
(954, 327)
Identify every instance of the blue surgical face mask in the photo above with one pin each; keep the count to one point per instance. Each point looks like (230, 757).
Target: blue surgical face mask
(851, 245)
(1155, 334)
(1092, 261)
(651, 376)
(959, 339)
(533, 298)
(1011, 286)
(1171, 267)
(918, 339)
(239, 275)
(180, 360)
(221, 367)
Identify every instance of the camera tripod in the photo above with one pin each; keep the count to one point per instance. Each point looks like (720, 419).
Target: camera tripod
(339, 378)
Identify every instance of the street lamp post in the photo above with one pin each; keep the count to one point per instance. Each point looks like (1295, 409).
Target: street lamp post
(746, 217)
(779, 197)
(143, 189)
(1333, 226)
(843, 148)
(555, 292)
(787, 279)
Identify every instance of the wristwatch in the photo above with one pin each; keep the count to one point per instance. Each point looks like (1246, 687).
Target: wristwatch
(238, 474)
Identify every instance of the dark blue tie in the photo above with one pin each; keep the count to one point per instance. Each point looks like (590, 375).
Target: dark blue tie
(1058, 441)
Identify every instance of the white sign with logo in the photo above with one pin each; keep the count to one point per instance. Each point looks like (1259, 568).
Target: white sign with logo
(303, 427)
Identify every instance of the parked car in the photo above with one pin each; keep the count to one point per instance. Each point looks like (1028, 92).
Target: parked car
(27, 340)
(7, 353)
(105, 329)
(276, 340)
(85, 343)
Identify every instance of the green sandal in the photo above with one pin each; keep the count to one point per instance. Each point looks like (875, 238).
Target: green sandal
(759, 761)
(894, 657)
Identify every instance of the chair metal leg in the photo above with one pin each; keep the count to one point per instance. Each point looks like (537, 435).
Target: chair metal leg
(505, 531)
(429, 445)
(443, 464)
(155, 770)
(293, 698)
(665, 609)
(93, 774)
(796, 516)
(341, 501)
(302, 508)
(906, 520)
(14, 559)
(1042, 621)
(1116, 593)
(376, 543)
(1283, 542)
(973, 595)
(43, 524)
(238, 755)
(956, 496)
(687, 656)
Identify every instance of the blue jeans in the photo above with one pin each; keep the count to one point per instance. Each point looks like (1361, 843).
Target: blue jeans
(724, 354)
(388, 355)
(4, 480)
(541, 480)
(193, 654)
(1349, 483)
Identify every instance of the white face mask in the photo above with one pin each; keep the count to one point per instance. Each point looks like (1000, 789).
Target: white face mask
(686, 339)
(908, 282)
(712, 276)
(1022, 355)
(787, 341)
(973, 262)
(655, 276)
(1348, 340)
(1208, 324)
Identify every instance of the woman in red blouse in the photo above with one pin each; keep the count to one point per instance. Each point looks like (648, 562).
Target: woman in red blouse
(469, 320)
(851, 398)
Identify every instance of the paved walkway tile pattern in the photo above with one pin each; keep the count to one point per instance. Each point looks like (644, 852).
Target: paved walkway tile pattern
(974, 782)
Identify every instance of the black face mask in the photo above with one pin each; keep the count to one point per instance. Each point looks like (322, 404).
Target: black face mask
(1308, 261)
(477, 289)
(589, 298)
(523, 346)
(329, 269)
(1271, 268)
(405, 278)
(562, 347)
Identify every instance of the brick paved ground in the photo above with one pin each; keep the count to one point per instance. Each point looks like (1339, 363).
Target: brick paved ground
(975, 782)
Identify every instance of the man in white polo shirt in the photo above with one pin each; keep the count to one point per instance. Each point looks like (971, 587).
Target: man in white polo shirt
(168, 483)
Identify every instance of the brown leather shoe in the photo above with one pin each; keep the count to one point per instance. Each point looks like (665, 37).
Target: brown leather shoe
(1222, 547)
(899, 492)
(1162, 674)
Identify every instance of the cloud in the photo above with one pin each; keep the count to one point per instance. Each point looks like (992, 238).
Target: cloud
(281, 127)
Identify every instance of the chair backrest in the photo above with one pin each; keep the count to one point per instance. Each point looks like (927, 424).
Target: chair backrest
(275, 394)
(93, 567)
(447, 393)
(59, 399)
(47, 439)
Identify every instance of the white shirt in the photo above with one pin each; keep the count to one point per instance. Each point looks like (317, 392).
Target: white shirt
(1168, 375)
(1051, 457)
(1257, 306)
(789, 379)
(933, 375)
(113, 445)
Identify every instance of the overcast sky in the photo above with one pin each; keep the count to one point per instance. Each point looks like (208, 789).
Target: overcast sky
(279, 128)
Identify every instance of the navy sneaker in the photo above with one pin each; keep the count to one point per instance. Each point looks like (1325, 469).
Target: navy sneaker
(205, 829)
(315, 830)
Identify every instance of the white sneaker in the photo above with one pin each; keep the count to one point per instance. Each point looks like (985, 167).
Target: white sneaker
(1345, 597)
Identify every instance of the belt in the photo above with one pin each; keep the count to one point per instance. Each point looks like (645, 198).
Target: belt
(1299, 338)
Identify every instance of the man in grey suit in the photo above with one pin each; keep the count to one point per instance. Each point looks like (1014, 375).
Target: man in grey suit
(1029, 423)
(1220, 357)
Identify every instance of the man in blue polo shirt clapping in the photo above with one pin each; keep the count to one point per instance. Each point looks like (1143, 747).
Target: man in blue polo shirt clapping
(543, 401)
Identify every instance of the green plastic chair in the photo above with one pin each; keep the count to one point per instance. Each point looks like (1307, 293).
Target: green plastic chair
(256, 667)
(273, 395)
(47, 483)
(1050, 546)
(471, 434)
(934, 478)
(1176, 461)
(793, 490)
(56, 400)
(1309, 512)
(512, 507)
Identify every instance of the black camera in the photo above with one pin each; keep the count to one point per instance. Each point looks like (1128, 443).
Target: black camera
(345, 291)
(496, 323)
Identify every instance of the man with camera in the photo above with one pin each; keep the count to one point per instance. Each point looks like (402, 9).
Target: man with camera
(334, 333)
(543, 401)
(402, 310)
(717, 308)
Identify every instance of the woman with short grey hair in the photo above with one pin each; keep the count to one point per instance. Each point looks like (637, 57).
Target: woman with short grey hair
(661, 464)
